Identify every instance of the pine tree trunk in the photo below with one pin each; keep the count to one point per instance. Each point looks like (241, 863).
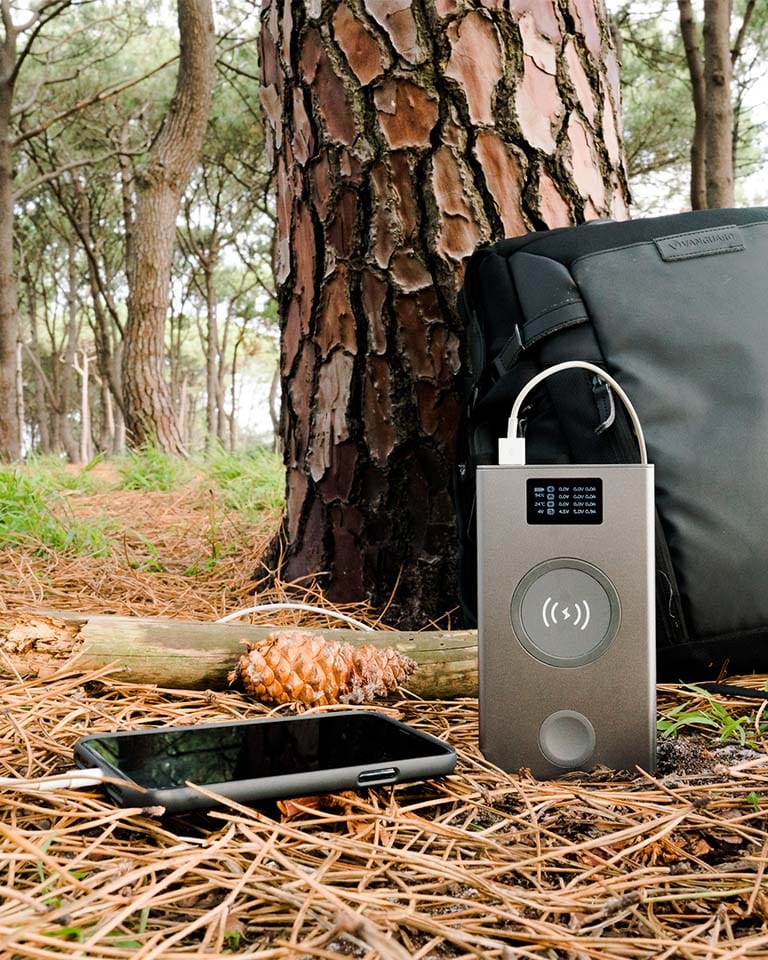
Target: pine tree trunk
(21, 411)
(405, 135)
(149, 412)
(42, 407)
(10, 428)
(689, 33)
(718, 110)
(101, 302)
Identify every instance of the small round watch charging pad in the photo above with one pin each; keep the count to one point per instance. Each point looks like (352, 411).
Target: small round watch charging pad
(567, 739)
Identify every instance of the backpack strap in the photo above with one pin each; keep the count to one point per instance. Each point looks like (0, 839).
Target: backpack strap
(508, 356)
(550, 301)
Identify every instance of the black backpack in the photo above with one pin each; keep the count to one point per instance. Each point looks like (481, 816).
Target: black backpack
(676, 309)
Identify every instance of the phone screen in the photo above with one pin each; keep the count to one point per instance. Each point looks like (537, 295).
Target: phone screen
(161, 759)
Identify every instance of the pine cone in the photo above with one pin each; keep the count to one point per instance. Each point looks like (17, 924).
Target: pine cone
(294, 665)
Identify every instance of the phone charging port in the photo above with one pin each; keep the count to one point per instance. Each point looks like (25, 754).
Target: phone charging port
(382, 775)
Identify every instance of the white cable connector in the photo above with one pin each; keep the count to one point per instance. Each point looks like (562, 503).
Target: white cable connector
(512, 450)
(90, 777)
(512, 447)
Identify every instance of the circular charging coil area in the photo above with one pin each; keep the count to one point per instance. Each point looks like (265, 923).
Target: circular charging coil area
(565, 612)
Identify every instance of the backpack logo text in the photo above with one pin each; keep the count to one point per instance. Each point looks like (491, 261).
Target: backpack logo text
(700, 243)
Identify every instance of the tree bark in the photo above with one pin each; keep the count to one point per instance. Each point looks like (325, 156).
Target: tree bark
(274, 413)
(83, 370)
(149, 412)
(64, 360)
(21, 413)
(718, 107)
(10, 428)
(211, 360)
(42, 406)
(405, 135)
(221, 384)
(689, 33)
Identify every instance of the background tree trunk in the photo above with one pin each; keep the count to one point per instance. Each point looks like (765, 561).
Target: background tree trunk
(714, 137)
(12, 55)
(718, 109)
(405, 135)
(106, 321)
(689, 33)
(213, 358)
(42, 392)
(10, 428)
(149, 412)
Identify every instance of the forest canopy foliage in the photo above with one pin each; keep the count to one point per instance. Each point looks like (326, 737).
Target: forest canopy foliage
(658, 106)
(90, 98)
(92, 82)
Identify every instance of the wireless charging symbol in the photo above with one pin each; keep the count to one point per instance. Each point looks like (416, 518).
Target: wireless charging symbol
(565, 612)
(550, 614)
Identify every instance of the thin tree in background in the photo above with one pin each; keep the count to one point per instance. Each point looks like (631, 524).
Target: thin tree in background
(718, 112)
(15, 46)
(159, 185)
(405, 135)
(220, 221)
(689, 33)
(31, 111)
(668, 112)
(711, 72)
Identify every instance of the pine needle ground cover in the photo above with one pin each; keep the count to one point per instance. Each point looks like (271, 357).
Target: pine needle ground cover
(477, 864)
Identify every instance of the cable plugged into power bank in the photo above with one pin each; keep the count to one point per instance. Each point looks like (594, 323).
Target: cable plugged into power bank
(512, 451)
(512, 447)
(566, 605)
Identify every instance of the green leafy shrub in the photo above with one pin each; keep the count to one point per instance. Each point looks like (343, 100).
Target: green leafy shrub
(709, 715)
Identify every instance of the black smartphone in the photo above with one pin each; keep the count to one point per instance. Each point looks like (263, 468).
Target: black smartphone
(265, 759)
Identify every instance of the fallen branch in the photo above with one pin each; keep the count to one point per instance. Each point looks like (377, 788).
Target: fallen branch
(180, 654)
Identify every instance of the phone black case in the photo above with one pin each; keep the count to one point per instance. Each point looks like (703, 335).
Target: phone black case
(439, 758)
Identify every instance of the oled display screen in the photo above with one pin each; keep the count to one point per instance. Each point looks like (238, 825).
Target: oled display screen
(554, 500)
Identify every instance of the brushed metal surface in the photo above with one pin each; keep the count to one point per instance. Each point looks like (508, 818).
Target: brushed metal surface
(616, 691)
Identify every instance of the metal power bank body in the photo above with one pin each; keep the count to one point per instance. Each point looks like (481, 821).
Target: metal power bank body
(566, 617)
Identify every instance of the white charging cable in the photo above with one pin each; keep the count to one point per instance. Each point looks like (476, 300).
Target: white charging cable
(263, 607)
(89, 777)
(512, 447)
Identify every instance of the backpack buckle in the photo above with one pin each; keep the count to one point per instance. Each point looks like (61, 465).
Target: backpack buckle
(507, 356)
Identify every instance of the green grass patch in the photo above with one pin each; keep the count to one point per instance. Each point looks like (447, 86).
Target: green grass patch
(711, 716)
(151, 468)
(247, 483)
(31, 512)
(35, 499)
(50, 474)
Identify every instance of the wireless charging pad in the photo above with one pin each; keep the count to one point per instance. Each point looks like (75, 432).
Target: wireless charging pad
(566, 612)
